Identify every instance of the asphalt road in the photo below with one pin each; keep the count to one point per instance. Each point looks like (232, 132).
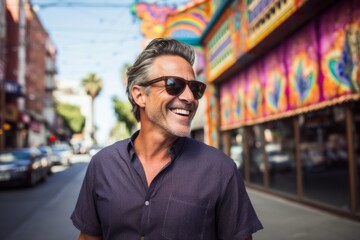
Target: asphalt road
(43, 212)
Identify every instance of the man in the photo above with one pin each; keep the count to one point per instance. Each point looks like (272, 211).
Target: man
(161, 184)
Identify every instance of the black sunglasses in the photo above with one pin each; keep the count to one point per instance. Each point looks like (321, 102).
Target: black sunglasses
(175, 86)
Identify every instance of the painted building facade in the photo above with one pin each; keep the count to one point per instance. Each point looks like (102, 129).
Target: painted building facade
(286, 79)
(283, 93)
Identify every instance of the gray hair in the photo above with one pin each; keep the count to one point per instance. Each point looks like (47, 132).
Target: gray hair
(138, 73)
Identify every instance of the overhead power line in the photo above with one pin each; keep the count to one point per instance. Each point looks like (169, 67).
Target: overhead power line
(101, 5)
(83, 4)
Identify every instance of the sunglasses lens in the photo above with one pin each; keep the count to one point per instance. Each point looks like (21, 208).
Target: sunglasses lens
(174, 86)
(197, 88)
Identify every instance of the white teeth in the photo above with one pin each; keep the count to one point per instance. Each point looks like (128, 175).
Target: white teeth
(181, 111)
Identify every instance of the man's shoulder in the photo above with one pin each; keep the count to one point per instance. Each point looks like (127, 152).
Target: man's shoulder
(206, 152)
(201, 146)
(122, 144)
(116, 149)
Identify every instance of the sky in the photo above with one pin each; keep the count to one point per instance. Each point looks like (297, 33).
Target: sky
(94, 36)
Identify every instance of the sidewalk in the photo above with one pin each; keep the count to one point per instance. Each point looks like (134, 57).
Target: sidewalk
(283, 220)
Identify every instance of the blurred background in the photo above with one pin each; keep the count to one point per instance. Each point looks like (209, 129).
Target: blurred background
(282, 100)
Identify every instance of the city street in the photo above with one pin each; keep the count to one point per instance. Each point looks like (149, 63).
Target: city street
(43, 212)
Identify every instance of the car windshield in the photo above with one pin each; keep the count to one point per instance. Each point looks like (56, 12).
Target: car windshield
(14, 155)
(59, 148)
(21, 154)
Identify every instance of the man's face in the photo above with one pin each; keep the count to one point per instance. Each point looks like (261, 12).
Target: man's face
(170, 114)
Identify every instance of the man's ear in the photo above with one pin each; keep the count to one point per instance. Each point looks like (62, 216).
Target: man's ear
(138, 95)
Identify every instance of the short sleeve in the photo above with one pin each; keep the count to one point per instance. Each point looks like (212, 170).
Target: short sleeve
(236, 217)
(84, 216)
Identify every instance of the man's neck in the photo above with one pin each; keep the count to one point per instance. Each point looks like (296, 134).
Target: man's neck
(153, 145)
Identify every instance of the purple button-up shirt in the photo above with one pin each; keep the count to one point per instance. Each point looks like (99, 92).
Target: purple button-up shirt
(198, 195)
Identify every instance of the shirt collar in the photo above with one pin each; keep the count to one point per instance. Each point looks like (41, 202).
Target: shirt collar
(175, 150)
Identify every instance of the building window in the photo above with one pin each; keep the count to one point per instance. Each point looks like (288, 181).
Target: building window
(237, 149)
(280, 154)
(324, 158)
(355, 109)
(257, 166)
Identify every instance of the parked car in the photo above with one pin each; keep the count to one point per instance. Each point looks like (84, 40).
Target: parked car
(63, 154)
(25, 166)
(49, 155)
(78, 148)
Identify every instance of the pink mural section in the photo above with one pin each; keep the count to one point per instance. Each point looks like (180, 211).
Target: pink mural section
(317, 66)
(303, 71)
(240, 109)
(354, 27)
(253, 93)
(233, 101)
(339, 50)
(274, 82)
(212, 118)
(226, 96)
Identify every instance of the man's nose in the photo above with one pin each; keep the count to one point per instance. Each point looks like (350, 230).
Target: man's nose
(187, 94)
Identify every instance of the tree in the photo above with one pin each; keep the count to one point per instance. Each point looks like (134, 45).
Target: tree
(93, 86)
(124, 114)
(72, 116)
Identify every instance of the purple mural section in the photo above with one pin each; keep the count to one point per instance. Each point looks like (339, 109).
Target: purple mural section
(336, 51)
(302, 64)
(317, 66)
(274, 82)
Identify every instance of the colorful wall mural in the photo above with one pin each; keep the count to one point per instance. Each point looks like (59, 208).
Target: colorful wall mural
(242, 26)
(228, 41)
(339, 50)
(220, 52)
(274, 82)
(152, 18)
(253, 93)
(238, 27)
(212, 117)
(189, 24)
(266, 15)
(317, 66)
(185, 22)
(303, 67)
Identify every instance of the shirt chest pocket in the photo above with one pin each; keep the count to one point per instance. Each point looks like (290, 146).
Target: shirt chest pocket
(184, 218)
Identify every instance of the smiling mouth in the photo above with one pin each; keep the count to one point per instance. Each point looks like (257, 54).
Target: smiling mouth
(181, 112)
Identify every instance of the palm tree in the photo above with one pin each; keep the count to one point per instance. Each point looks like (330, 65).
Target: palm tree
(92, 85)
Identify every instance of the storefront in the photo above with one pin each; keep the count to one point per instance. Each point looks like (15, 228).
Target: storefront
(12, 128)
(284, 78)
(312, 157)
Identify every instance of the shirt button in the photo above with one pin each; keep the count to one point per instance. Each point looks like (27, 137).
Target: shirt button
(147, 203)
